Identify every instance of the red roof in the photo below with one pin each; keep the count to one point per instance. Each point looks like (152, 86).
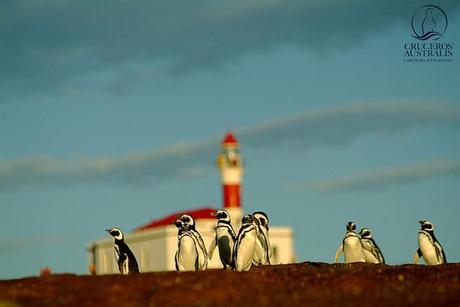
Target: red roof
(229, 138)
(201, 213)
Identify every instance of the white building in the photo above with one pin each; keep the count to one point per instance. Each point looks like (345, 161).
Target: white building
(155, 243)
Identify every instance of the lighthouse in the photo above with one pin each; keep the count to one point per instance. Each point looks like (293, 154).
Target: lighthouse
(230, 164)
(155, 243)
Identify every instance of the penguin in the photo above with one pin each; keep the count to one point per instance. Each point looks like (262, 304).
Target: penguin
(372, 252)
(224, 239)
(351, 246)
(125, 258)
(429, 247)
(262, 253)
(191, 252)
(243, 251)
(180, 227)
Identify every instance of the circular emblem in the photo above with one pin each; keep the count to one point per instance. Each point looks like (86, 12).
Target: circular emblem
(429, 22)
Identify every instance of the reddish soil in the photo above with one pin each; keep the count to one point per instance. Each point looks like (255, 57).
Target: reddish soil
(304, 284)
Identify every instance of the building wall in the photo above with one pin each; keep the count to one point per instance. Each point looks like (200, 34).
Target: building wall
(155, 249)
(282, 245)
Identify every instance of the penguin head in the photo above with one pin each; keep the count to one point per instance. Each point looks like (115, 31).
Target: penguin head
(351, 226)
(179, 224)
(426, 225)
(116, 233)
(188, 221)
(247, 219)
(222, 215)
(262, 218)
(365, 233)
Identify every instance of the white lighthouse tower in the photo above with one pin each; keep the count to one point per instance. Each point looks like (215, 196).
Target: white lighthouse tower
(230, 165)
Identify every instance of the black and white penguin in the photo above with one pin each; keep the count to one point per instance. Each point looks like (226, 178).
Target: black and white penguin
(351, 246)
(191, 252)
(262, 253)
(372, 252)
(224, 239)
(125, 258)
(243, 251)
(429, 247)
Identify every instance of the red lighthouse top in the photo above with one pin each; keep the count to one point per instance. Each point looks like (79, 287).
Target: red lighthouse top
(230, 139)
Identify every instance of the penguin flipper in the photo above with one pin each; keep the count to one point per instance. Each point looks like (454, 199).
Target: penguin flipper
(338, 253)
(269, 249)
(377, 254)
(125, 265)
(440, 253)
(370, 256)
(444, 256)
(202, 253)
(266, 245)
(234, 253)
(417, 256)
(212, 246)
(116, 253)
(381, 258)
(176, 260)
(133, 267)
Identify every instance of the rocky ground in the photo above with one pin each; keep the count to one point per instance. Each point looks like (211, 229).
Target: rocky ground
(304, 284)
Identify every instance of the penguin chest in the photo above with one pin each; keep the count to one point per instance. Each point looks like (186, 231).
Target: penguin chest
(428, 249)
(245, 251)
(353, 250)
(187, 254)
(259, 252)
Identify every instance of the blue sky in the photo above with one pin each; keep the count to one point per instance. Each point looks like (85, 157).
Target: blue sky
(112, 116)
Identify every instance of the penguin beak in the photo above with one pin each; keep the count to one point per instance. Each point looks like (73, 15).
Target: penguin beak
(178, 223)
(421, 222)
(213, 214)
(108, 230)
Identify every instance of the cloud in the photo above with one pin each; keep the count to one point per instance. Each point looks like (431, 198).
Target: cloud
(51, 43)
(328, 127)
(7, 246)
(383, 177)
(340, 125)
(12, 245)
(178, 160)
